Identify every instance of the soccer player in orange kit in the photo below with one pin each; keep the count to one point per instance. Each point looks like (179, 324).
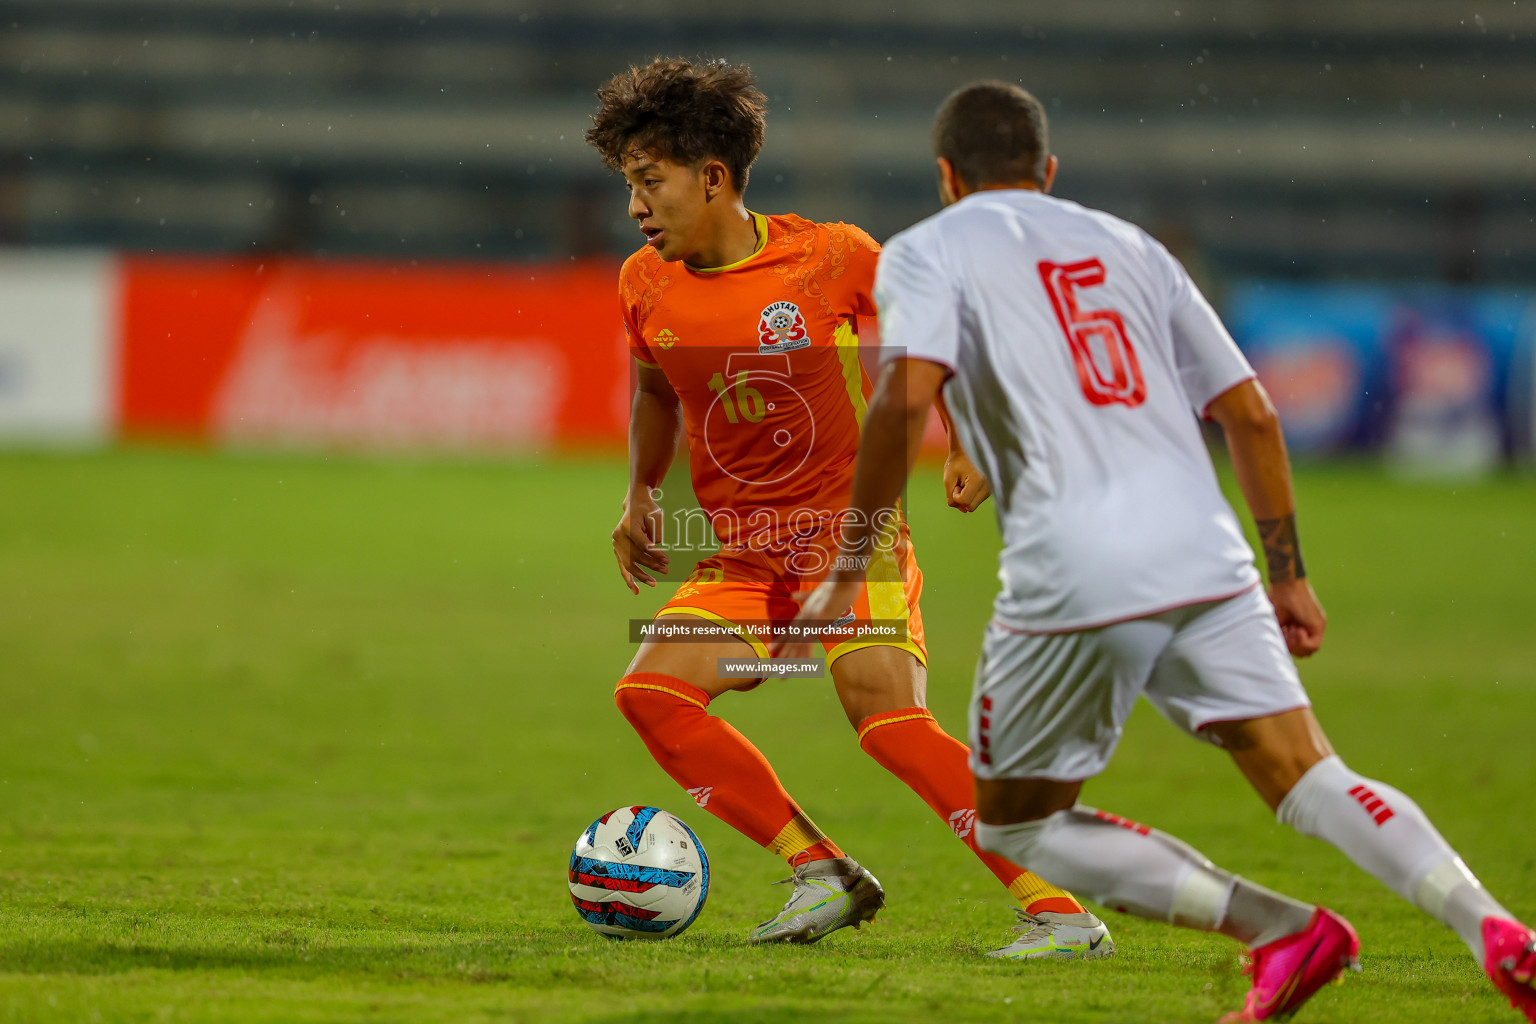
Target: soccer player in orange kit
(744, 331)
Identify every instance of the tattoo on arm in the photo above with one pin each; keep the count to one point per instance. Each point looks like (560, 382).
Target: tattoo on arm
(1281, 548)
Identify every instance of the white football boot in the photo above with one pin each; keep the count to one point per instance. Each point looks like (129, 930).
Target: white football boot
(829, 894)
(1057, 937)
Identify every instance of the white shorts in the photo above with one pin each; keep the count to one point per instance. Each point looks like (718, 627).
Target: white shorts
(1053, 705)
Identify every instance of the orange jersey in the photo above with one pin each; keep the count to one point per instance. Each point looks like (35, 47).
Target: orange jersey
(764, 356)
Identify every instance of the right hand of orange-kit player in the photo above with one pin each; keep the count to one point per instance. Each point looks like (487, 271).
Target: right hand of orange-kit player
(635, 541)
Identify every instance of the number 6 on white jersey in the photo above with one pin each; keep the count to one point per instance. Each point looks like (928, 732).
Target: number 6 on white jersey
(1107, 368)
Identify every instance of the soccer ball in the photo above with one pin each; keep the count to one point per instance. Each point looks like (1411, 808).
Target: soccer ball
(639, 873)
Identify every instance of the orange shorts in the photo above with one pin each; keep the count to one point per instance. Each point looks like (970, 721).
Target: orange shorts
(741, 592)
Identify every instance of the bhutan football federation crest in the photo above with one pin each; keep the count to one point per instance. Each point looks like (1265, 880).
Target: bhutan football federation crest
(781, 329)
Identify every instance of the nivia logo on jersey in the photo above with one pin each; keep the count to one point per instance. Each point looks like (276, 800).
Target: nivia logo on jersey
(781, 329)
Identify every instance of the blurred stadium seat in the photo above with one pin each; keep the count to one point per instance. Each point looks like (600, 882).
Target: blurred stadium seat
(1367, 138)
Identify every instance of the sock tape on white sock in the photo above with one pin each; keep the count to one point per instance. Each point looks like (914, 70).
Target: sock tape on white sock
(1431, 892)
(1200, 898)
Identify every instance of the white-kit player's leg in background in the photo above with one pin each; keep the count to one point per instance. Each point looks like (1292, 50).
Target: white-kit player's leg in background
(1047, 713)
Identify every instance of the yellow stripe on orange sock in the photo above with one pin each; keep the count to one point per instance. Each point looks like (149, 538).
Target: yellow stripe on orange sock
(874, 722)
(629, 683)
(800, 833)
(1032, 891)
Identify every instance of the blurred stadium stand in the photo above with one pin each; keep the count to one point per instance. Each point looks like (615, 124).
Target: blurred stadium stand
(1358, 139)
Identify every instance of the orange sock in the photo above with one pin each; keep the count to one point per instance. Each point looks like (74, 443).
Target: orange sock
(909, 744)
(718, 766)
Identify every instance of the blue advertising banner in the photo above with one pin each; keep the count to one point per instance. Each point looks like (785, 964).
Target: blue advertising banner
(1433, 376)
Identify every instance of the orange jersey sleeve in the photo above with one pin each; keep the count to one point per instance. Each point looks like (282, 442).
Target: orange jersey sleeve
(640, 285)
(855, 286)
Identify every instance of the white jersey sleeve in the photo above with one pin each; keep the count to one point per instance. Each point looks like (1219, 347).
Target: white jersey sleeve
(1209, 361)
(919, 309)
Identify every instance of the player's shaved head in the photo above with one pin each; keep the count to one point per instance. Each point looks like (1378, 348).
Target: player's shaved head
(683, 112)
(993, 133)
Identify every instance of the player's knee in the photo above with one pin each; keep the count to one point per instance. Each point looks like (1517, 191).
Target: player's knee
(651, 706)
(1023, 800)
(1328, 782)
(638, 706)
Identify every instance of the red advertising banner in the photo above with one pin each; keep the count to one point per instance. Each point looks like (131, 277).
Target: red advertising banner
(300, 351)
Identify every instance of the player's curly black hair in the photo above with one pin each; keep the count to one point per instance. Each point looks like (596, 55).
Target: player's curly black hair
(994, 133)
(683, 111)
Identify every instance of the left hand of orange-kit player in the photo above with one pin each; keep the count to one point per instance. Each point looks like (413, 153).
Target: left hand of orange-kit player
(634, 541)
(828, 602)
(964, 486)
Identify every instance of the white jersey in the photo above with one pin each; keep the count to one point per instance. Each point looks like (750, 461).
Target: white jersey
(1081, 354)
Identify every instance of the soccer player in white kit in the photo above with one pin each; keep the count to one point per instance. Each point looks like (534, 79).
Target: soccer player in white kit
(1074, 354)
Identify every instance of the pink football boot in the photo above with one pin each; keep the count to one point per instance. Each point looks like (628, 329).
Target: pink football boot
(1288, 971)
(1511, 962)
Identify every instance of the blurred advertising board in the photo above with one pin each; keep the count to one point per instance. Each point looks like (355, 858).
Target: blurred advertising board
(1436, 378)
(315, 353)
(57, 359)
(291, 352)
(531, 357)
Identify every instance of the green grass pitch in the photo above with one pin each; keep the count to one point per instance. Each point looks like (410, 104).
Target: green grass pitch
(301, 739)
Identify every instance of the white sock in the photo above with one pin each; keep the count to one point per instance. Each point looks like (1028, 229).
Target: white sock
(1388, 836)
(1138, 870)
